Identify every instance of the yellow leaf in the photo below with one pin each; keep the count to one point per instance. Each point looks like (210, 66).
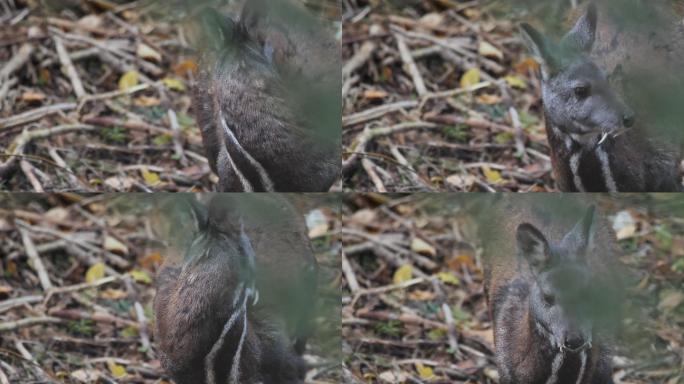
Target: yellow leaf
(493, 176)
(112, 244)
(424, 371)
(419, 245)
(128, 80)
(402, 274)
(113, 294)
(174, 84)
(448, 278)
(152, 179)
(117, 370)
(516, 81)
(140, 276)
(488, 50)
(95, 272)
(470, 78)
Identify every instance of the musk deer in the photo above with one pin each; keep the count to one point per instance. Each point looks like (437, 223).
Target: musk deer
(548, 296)
(215, 321)
(268, 99)
(597, 142)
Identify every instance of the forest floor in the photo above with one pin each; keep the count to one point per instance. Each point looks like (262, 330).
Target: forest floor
(77, 287)
(414, 309)
(97, 95)
(443, 95)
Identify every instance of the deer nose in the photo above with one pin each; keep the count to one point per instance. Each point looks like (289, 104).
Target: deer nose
(628, 119)
(573, 341)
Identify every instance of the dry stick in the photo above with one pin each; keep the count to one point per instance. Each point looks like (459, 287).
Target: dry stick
(177, 145)
(73, 180)
(359, 58)
(28, 170)
(3, 377)
(412, 174)
(411, 66)
(349, 274)
(368, 166)
(19, 301)
(35, 367)
(34, 114)
(359, 143)
(68, 65)
(451, 328)
(453, 92)
(112, 94)
(81, 286)
(27, 322)
(376, 112)
(144, 334)
(21, 141)
(17, 61)
(4, 90)
(145, 65)
(35, 261)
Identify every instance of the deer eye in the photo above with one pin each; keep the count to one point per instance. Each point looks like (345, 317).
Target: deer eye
(582, 91)
(549, 299)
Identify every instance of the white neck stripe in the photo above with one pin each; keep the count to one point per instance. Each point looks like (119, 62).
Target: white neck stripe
(263, 175)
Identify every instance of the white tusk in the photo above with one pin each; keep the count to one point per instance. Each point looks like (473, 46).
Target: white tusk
(603, 138)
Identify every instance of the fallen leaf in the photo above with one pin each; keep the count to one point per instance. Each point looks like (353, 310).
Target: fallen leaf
(90, 21)
(364, 217)
(488, 50)
(86, 375)
(526, 65)
(515, 81)
(128, 80)
(624, 225)
(402, 274)
(431, 20)
(425, 372)
(374, 94)
(670, 299)
(151, 260)
(470, 78)
(493, 176)
(112, 244)
(151, 178)
(30, 96)
(419, 245)
(317, 223)
(140, 276)
(95, 272)
(118, 371)
(148, 53)
(113, 294)
(461, 181)
(448, 278)
(120, 183)
(174, 84)
(146, 101)
(182, 68)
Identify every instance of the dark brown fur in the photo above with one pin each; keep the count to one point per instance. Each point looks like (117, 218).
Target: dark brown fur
(273, 107)
(194, 301)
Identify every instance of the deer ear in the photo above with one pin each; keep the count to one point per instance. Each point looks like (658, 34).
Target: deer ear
(533, 247)
(252, 12)
(219, 29)
(541, 47)
(583, 34)
(581, 237)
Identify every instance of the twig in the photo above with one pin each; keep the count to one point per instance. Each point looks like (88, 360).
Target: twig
(17, 61)
(374, 113)
(177, 145)
(34, 114)
(27, 322)
(413, 71)
(69, 68)
(368, 166)
(349, 274)
(35, 261)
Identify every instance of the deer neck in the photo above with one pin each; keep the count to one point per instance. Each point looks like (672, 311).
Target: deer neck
(582, 166)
